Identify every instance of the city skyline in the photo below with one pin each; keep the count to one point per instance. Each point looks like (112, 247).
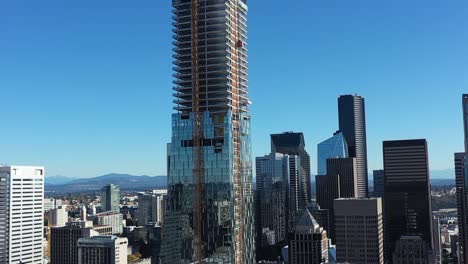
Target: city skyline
(64, 113)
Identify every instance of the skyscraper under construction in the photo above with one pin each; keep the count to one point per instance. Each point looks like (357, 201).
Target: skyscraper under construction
(209, 216)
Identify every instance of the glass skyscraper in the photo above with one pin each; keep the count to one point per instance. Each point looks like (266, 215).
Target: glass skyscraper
(334, 147)
(110, 198)
(210, 164)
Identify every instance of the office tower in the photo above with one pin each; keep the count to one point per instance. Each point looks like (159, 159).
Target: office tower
(340, 182)
(273, 207)
(58, 216)
(64, 240)
(352, 122)
(412, 249)
(461, 170)
(210, 196)
(378, 176)
(334, 147)
(407, 200)
(102, 249)
(346, 169)
(291, 143)
(21, 214)
(461, 162)
(113, 219)
(110, 198)
(359, 230)
(150, 207)
(308, 242)
(436, 238)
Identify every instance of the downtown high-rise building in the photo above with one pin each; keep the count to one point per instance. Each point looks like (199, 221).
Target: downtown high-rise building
(352, 123)
(110, 198)
(359, 230)
(461, 171)
(209, 216)
(21, 214)
(271, 201)
(339, 182)
(102, 249)
(378, 176)
(151, 207)
(407, 201)
(308, 241)
(58, 217)
(293, 143)
(334, 147)
(64, 240)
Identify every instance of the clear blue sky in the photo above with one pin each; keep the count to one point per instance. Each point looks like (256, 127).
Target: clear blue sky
(86, 85)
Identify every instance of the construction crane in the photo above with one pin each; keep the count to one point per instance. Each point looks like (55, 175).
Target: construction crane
(198, 136)
(198, 121)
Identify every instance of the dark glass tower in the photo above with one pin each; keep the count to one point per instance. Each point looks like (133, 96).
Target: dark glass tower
(209, 214)
(352, 122)
(461, 181)
(407, 202)
(291, 143)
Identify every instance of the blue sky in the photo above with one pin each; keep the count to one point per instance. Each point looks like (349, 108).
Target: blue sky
(86, 85)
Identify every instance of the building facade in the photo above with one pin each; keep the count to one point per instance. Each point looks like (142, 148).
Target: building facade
(412, 249)
(378, 176)
(102, 250)
(58, 216)
(308, 242)
(64, 241)
(112, 219)
(359, 230)
(461, 182)
(21, 214)
(352, 123)
(407, 200)
(334, 147)
(272, 201)
(110, 198)
(151, 207)
(209, 214)
(293, 144)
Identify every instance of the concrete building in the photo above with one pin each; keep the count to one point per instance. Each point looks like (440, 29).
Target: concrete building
(151, 207)
(111, 218)
(21, 214)
(102, 250)
(436, 235)
(308, 243)
(359, 230)
(58, 216)
(110, 198)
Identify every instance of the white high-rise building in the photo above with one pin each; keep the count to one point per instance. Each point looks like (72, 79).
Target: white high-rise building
(21, 214)
(58, 216)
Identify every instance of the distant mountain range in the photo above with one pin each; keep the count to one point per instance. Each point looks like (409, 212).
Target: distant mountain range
(127, 182)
